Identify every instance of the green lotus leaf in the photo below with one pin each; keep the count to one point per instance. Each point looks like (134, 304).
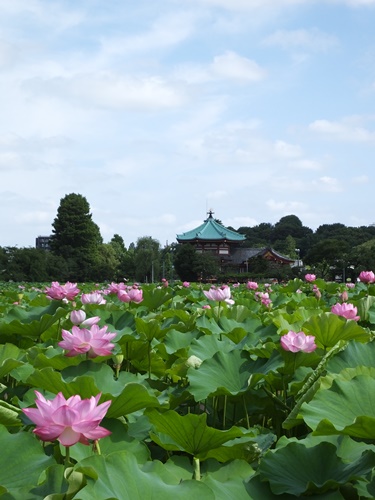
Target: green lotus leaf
(207, 346)
(189, 433)
(55, 485)
(149, 330)
(118, 440)
(31, 323)
(328, 329)
(132, 398)
(52, 381)
(153, 298)
(9, 414)
(346, 407)
(355, 354)
(118, 476)
(296, 469)
(229, 373)
(225, 373)
(286, 321)
(9, 358)
(228, 481)
(176, 340)
(126, 396)
(208, 325)
(21, 462)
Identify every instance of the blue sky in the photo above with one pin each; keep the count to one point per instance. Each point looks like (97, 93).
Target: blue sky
(157, 111)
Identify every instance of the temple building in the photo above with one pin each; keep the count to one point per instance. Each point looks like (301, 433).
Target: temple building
(226, 244)
(212, 237)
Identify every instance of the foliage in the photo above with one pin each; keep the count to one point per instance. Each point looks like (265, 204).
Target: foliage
(203, 401)
(76, 237)
(146, 259)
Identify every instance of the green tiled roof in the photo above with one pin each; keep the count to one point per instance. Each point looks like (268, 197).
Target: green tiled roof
(210, 230)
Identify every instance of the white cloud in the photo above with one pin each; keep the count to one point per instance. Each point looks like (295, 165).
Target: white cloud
(249, 5)
(361, 179)
(304, 164)
(345, 130)
(237, 222)
(312, 39)
(285, 207)
(165, 31)
(327, 183)
(235, 67)
(227, 66)
(111, 91)
(216, 195)
(285, 150)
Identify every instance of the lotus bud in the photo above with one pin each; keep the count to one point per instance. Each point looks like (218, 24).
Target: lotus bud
(77, 317)
(194, 362)
(117, 362)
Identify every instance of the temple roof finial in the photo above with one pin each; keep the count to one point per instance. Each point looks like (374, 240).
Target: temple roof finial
(210, 213)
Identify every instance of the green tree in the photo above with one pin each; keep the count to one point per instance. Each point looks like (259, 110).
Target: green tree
(107, 264)
(147, 259)
(76, 237)
(328, 257)
(118, 246)
(206, 266)
(193, 266)
(185, 261)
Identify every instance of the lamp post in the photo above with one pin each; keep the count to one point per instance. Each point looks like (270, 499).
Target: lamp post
(297, 250)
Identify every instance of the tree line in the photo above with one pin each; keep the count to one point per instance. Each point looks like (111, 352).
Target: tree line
(77, 252)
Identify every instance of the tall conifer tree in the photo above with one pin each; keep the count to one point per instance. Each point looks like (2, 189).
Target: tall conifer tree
(76, 237)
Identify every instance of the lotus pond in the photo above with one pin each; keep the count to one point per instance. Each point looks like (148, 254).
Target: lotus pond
(248, 391)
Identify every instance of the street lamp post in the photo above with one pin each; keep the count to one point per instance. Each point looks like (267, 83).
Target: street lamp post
(297, 250)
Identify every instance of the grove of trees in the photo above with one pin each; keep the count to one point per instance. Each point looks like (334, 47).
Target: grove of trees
(78, 253)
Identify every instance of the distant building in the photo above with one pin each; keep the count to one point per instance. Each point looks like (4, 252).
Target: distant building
(43, 242)
(226, 244)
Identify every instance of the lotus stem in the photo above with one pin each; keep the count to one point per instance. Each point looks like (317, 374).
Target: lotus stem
(225, 410)
(67, 456)
(197, 469)
(96, 447)
(276, 400)
(247, 415)
(149, 359)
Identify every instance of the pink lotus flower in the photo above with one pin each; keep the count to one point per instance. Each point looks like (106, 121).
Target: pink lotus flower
(310, 277)
(78, 317)
(206, 306)
(367, 277)
(94, 342)
(345, 310)
(350, 285)
(318, 293)
(58, 292)
(252, 285)
(296, 342)
(70, 421)
(92, 298)
(115, 288)
(132, 294)
(264, 298)
(344, 296)
(222, 294)
(186, 284)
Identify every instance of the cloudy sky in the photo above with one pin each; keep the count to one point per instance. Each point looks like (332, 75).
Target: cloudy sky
(157, 111)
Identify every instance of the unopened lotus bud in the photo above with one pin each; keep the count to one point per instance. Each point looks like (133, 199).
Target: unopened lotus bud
(344, 296)
(117, 362)
(77, 317)
(194, 362)
(118, 359)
